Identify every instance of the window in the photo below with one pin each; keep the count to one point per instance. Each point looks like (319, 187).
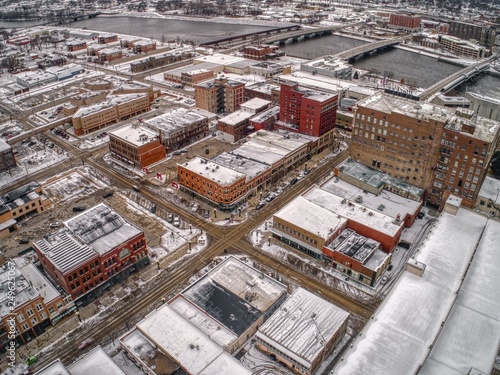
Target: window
(29, 312)
(20, 318)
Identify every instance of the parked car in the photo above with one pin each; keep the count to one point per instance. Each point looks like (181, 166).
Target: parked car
(55, 224)
(79, 209)
(421, 215)
(24, 241)
(50, 145)
(260, 205)
(170, 218)
(32, 143)
(108, 194)
(177, 221)
(195, 207)
(294, 181)
(384, 280)
(85, 343)
(31, 359)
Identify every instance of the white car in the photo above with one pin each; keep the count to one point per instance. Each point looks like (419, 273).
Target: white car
(384, 280)
(55, 224)
(177, 221)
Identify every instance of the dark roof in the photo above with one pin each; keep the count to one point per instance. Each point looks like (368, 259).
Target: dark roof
(224, 306)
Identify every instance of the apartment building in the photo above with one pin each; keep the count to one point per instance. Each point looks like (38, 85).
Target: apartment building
(157, 61)
(467, 145)
(405, 22)
(484, 34)
(110, 54)
(26, 200)
(116, 108)
(144, 46)
(306, 111)
(107, 38)
(399, 137)
(220, 95)
(136, 144)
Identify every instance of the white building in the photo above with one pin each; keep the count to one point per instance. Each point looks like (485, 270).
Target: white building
(303, 331)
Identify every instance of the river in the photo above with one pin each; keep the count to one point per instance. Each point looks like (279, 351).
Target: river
(196, 31)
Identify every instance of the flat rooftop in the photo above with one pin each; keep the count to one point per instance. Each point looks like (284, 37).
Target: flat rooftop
(375, 178)
(484, 128)
(390, 103)
(316, 82)
(255, 103)
(54, 368)
(102, 228)
(398, 338)
(23, 291)
(354, 245)
(174, 121)
(490, 189)
(386, 202)
(213, 171)
(289, 141)
(311, 217)
(95, 362)
(136, 135)
(186, 344)
(299, 327)
(236, 118)
(200, 319)
(21, 195)
(109, 102)
(37, 280)
(353, 211)
(248, 167)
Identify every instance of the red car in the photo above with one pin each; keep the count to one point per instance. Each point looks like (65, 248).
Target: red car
(85, 343)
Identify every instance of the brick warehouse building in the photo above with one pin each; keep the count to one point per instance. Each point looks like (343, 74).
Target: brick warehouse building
(95, 247)
(467, 145)
(404, 22)
(424, 145)
(399, 137)
(136, 144)
(306, 111)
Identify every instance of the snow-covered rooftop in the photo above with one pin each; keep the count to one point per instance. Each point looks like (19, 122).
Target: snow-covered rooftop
(254, 286)
(236, 117)
(484, 128)
(316, 82)
(186, 344)
(4, 146)
(208, 169)
(102, 228)
(490, 189)
(111, 101)
(22, 292)
(387, 202)
(353, 211)
(64, 250)
(218, 58)
(95, 362)
(300, 327)
(311, 217)
(54, 368)
(246, 166)
(38, 281)
(214, 329)
(136, 135)
(398, 339)
(255, 103)
(390, 103)
(175, 120)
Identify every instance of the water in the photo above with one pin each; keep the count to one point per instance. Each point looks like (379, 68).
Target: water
(483, 84)
(17, 25)
(326, 45)
(196, 31)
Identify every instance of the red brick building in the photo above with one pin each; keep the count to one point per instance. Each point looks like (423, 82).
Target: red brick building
(213, 183)
(261, 52)
(306, 111)
(94, 247)
(110, 54)
(76, 45)
(405, 22)
(144, 46)
(195, 76)
(137, 145)
(107, 38)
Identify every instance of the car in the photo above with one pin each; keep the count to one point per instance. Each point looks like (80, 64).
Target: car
(108, 194)
(170, 218)
(384, 280)
(55, 224)
(390, 267)
(260, 205)
(136, 188)
(50, 144)
(79, 209)
(294, 181)
(31, 359)
(206, 214)
(306, 172)
(270, 198)
(24, 241)
(32, 143)
(195, 207)
(177, 221)
(87, 342)
(421, 215)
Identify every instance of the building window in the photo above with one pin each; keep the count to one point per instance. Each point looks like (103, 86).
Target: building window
(29, 312)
